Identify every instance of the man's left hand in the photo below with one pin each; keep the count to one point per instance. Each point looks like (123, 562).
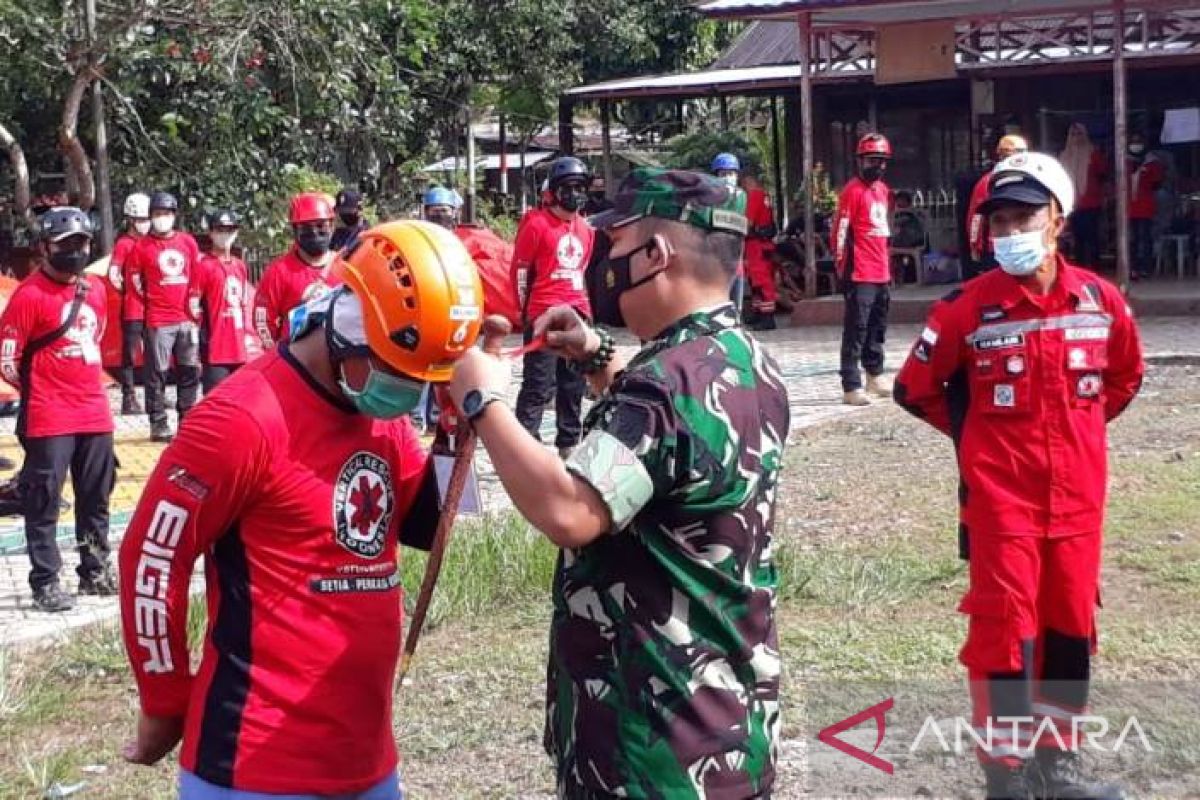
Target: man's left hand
(482, 368)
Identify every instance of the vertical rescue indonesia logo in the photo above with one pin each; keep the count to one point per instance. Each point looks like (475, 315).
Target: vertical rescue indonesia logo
(363, 504)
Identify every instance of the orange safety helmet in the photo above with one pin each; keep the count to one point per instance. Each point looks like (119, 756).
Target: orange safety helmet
(874, 144)
(310, 207)
(421, 296)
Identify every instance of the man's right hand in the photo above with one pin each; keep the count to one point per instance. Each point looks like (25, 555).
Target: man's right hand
(566, 334)
(156, 736)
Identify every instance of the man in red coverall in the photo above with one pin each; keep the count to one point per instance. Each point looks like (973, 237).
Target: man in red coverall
(220, 289)
(554, 244)
(760, 242)
(860, 248)
(1024, 367)
(977, 225)
(298, 507)
(301, 274)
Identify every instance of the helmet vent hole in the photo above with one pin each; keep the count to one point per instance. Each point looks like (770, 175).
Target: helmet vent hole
(410, 303)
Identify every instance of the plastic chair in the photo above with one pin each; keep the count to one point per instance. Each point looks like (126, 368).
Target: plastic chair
(1175, 248)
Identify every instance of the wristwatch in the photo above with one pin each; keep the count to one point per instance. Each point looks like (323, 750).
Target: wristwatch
(476, 401)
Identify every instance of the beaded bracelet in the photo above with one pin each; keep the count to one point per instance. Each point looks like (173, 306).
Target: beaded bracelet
(603, 355)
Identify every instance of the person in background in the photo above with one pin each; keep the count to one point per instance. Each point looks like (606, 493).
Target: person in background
(220, 289)
(304, 272)
(862, 260)
(1146, 175)
(597, 197)
(50, 336)
(349, 208)
(554, 244)
(760, 243)
(164, 262)
(727, 168)
(977, 231)
(1024, 368)
(133, 311)
(1089, 171)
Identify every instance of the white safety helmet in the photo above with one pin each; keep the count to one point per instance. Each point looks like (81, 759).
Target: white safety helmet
(137, 206)
(1028, 178)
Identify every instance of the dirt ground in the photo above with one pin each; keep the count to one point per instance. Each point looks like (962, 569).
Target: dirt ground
(868, 550)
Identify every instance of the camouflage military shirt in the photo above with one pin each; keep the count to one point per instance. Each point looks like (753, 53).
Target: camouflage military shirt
(664, 661)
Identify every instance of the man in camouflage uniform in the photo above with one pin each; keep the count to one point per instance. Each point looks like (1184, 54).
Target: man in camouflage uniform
(663, 679)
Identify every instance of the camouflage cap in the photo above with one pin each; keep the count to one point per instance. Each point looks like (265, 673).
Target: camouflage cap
(692, 198)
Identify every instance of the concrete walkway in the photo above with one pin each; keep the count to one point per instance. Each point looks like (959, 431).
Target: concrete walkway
(808, 357)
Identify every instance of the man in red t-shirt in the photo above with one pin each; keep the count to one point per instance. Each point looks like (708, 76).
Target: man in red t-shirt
(298, 507)
(554, 244)
(301, 274)
(860, 249)
(1146, 175)
(165, 263)
(220, 290)
(133, 313)
(50, 349)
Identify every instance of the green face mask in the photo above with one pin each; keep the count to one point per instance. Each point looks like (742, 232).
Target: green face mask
(384, 396)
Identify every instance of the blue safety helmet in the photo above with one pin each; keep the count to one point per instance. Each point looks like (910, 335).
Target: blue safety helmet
(440, 196)
(726, 161)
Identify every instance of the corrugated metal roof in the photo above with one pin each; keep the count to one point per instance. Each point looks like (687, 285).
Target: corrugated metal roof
(762, 43)
(883, 12)
(694, 83)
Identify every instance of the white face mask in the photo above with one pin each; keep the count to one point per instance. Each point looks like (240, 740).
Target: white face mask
(223, 240)
(731, 180)
(163, 224)
(1020, 254)
(142, 227)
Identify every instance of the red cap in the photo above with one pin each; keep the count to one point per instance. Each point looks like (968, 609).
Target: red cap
(310, 207)
(874, 144)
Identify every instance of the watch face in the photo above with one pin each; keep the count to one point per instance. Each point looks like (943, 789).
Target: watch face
(472, 403)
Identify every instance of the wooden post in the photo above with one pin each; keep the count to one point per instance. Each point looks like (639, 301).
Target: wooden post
(566, 125)
(606, 145)
(806, 124)
(723, 104)
(781, 209)
(503, 158)
(469, 211)
(1120, 144)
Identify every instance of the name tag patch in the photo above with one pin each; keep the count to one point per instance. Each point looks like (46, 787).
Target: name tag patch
(1000, 342)
(1086, 334)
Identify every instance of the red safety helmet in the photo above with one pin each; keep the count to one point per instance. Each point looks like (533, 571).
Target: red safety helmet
(310, 207)
(874, 144)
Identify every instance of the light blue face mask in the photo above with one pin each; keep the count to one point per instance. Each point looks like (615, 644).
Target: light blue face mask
(384, 396)
(1021, 253)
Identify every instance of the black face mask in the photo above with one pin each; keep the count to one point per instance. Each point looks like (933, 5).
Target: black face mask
(872, 174)
(615, 280)
(571, 198)
(71, 262)
(314, 243)
(350, 218)
(445, 220)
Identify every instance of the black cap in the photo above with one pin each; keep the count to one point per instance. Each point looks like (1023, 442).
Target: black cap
(163, 201)
(349, 200)
(224, 218)
(1015, 187)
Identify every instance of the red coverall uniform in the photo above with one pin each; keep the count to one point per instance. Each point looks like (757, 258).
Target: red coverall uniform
(549, 260)
(860, 249)
(759, 245)
(287, 282)
(1145, 176)
(493, 256)
(298, 508)
(1025, 385)
(128, 284)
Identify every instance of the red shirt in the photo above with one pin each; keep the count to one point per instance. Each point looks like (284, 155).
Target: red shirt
(288, 281)
(221, 286)
(1025, 385)
(492, 255)
(1144, 179)
(1092, 196)
(64, 393)
(861, 232)
(977, 224)
(127, 282)
(164, 265)
(296, 508)
(557, 251)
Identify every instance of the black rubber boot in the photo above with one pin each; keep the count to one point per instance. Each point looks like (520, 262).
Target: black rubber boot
(1058, 777)
(1007, 783)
